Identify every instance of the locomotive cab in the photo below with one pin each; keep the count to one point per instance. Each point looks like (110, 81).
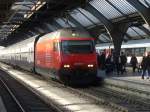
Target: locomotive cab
(78, 57)
(67, 55)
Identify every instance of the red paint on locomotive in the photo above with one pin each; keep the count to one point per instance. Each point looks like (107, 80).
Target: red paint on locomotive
(50, 56)
(67, 55)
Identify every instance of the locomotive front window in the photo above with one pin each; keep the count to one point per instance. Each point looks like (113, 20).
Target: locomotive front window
(76, 46)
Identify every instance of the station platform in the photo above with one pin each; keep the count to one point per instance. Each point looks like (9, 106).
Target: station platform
(57, 95)
(129, 81)
(54, 94)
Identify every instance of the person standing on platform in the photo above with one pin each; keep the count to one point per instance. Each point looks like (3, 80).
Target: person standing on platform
(102, 59)
(123, 62)
(133, 62)
(98, 60)
(144, 66)
(148, 65)
(109, 64)
(118, 65)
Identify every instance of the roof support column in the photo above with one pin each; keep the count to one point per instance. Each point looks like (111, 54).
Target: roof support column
(116, 32)
(143, 11)
(117, 35)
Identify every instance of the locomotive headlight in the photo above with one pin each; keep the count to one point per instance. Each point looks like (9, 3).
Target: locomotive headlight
(66, 66)
(73, 34)
(90, 65)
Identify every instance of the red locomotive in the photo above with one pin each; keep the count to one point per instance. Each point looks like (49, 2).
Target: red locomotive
(67, 55)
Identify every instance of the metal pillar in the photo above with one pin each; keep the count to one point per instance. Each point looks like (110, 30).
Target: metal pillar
(117, 35)
(143, 11)
(115, 31)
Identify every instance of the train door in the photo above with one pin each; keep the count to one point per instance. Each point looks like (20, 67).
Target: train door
(56, 59)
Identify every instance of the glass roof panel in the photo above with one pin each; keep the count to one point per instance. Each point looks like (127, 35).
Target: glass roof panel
(17, 5)
(51, 27)
(107, 37)
(131, 32)
(69, 23)
(81, 18)
(146, 3)
(139, 31)
(136, 32)
(22, 7)
(89, 15)
(104, 38)
(105, 8)
(123, 6)
(64, 23)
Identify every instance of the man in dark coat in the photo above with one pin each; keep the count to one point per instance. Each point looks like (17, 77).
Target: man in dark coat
(146, 66)
(102, 60)
(123, 62)
(133, 62)
(109, 64)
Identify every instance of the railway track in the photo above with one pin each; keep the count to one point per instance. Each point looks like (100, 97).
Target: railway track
(127, 102)
(18, 98)
(134, 91)
(12, 105)
(85, 92)
(115, 99)
(118, 101)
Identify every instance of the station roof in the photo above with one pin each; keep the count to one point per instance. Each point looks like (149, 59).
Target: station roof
(20, 19)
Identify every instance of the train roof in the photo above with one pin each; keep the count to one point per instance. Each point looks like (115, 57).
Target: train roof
(65, 32)
(69, 33)
(129, 44)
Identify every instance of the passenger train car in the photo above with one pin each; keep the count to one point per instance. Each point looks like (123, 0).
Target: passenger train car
(68, 55)
(136, 47)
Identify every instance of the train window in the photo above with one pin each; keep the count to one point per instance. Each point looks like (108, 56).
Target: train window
(136, 51)
(76, 46)
(142, 51)
(128, 52)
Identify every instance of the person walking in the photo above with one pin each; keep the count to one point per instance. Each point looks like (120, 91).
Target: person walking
(133, 62)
